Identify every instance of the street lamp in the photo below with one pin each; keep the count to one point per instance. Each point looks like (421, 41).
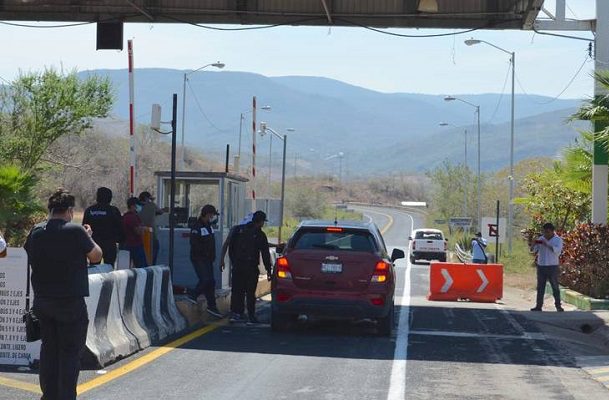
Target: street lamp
(452, 98)
(218, 65)
(284, 138)
(512, 54)
(464, 164)
(241, 119)
(262, 133)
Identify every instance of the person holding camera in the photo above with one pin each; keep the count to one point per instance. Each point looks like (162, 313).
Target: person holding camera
(548, 248)
(479, 249)
(58, 251)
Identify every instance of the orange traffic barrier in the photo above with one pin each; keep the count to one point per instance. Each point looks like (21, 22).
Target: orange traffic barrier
(481, 283)
(147, 239)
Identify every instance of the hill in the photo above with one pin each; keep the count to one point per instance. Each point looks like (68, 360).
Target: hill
(376, 131)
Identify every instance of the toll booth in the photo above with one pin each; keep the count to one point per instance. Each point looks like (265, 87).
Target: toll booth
(225, 191)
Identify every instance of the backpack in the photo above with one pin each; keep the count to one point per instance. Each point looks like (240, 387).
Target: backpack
(242, 247)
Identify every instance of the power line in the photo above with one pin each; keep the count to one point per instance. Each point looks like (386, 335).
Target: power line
(203, 112)
(507, 75)
(562, 36)
(553, 99)
(46, 26)
(244, 28)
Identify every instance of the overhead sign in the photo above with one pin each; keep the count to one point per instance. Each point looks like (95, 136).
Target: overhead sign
(490, 230)
(14, 350)
(475, 282)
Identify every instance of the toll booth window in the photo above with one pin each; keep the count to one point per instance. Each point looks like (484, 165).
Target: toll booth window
(201, 194)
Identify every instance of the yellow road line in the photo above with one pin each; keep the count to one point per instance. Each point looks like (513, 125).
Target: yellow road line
(603, 379)
(598, 371)
(16, 384)
(388, 225)
(145, 359)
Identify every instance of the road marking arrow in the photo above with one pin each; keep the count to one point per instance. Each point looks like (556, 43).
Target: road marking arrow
(448, 280)
(484, 281)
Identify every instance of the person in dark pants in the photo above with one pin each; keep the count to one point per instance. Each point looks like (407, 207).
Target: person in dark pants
(548, 248)
(58, 251)
(106, 223)
(245, 244)
(202, 256)
(133, 234)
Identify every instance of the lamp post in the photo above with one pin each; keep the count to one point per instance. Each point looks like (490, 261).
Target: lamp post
(262, 133)
(241, 119)
(284, 138)
(452, 98)
(465, 165)
(512, 54)
(218, 65)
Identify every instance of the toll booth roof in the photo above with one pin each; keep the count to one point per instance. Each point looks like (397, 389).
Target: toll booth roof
(201, 175)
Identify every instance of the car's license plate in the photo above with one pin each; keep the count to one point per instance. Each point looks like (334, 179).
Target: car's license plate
(331, 268)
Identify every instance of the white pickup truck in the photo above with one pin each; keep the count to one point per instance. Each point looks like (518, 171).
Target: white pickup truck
(427, 244)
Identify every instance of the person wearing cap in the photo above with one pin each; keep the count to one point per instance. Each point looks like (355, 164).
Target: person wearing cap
(245, 244)
(479, 249)
(202, 256)
(148, 213)
(106, 223)
(132, 224)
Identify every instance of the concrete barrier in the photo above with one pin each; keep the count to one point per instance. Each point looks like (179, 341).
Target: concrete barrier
(128, 311)
(100, 269)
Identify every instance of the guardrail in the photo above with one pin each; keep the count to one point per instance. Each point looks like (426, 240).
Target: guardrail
(462, 255)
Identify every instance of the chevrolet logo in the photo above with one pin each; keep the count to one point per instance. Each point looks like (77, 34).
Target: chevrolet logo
(332, 258)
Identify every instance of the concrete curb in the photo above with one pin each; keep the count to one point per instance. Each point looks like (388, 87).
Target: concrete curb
(579, 300)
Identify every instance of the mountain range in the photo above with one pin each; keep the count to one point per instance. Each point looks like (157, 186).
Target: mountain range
(377, 132)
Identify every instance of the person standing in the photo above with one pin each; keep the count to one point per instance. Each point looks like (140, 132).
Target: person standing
(2, 246)
(479, 249)
(548, 248)
(106, 223)
(148, 215)
(58, 251)
(202, 256)
(132, 224)
(245, 244)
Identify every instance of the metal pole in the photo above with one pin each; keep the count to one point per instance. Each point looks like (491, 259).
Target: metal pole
(479, 213)
(465, 188)
(132, 154)
(182, 159)
(172, 195)
(240, 130)
(285, 141)
(600, 168)
(497, 237)
(510, 221)
(254, 154)
(270, 162)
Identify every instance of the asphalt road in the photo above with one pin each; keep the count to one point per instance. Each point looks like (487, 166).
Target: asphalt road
(438, 351)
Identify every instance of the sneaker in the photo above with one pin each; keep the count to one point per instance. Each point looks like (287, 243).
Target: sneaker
(252, 321)
(236, 318)
(215, 312)
(536, 309)
(560, 309)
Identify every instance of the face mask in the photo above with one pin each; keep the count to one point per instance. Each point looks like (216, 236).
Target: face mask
(214, 221)
(138, 208)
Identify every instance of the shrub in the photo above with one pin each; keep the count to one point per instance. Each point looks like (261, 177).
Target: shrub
(585, 260)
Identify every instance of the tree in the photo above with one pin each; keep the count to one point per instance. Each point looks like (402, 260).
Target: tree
(40, 107)
(18, 206)
(450, 184)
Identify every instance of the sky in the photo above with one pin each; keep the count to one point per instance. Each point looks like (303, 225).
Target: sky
(544, 64)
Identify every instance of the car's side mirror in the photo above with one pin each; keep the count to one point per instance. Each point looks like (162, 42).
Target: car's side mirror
(446, 240)
(396, 254)
(280, 248)
(409, 237)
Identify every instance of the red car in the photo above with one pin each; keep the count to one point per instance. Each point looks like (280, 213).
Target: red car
(335, 271)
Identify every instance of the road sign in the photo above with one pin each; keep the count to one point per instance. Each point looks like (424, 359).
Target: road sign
(476, 282)
(460, 222)
(489, 229)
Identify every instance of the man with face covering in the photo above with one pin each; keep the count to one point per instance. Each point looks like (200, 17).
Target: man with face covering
(202, 256)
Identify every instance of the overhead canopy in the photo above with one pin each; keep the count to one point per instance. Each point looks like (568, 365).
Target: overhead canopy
(460, 14)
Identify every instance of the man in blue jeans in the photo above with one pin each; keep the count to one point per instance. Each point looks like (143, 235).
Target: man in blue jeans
(548, 248)
(202, 256)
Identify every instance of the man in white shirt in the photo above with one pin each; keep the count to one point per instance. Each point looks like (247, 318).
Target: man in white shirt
(479, 249)
(2, 245)
(548, 248)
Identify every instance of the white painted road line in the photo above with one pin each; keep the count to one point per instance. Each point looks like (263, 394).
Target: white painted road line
(397, 384)
(524, 336)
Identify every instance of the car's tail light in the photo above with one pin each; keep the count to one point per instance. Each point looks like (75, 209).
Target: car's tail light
(283, 268)
(283, 297)
(334, 229)
(381, 272)
(377, 301)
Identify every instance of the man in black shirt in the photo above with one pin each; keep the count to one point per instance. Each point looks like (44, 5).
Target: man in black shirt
(202, 256)
(106, 224)
(245, 244)
(58, 251)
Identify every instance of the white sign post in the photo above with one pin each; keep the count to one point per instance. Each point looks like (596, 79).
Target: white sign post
(488, 223)
(14, 350)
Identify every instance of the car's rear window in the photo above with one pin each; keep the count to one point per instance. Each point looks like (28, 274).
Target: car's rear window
(347, 241)
(428, 235)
